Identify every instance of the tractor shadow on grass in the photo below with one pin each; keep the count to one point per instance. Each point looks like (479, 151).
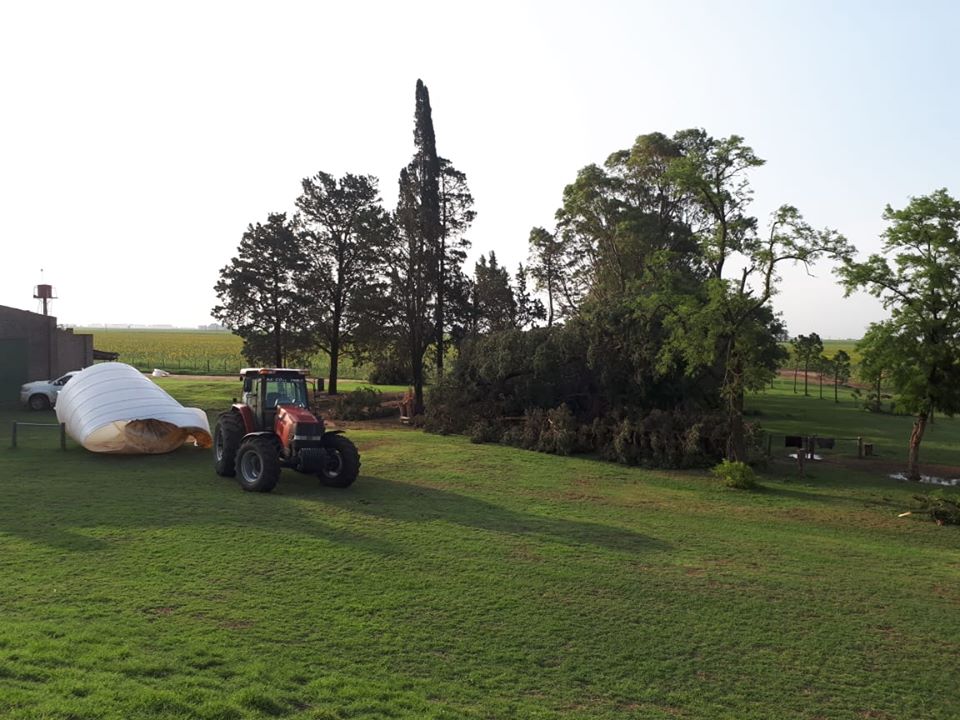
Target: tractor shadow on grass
(406, 502)
(83, 502)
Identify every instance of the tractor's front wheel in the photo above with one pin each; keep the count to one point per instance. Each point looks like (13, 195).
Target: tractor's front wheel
(258, 467)
(226, 441)
(342, 462)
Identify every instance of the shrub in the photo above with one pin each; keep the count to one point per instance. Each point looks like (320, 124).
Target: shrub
(532, 426)
(737, 475)
(361, 404)
(484, 431)
(513, 435)
(446, 413)
(558, 432)
(390, 370)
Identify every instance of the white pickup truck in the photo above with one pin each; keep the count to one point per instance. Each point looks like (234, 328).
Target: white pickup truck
(42, 394)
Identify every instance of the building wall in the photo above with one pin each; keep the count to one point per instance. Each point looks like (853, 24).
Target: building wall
(73, 351)
(49, 352)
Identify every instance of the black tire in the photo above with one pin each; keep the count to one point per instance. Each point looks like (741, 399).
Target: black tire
(343, 462)
(258, 467)
(226, 441)
(39, 402)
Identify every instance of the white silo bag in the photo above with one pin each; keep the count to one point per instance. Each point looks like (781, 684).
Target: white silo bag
(113, 408)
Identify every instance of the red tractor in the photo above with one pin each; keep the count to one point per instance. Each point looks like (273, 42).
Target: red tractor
(272, 428)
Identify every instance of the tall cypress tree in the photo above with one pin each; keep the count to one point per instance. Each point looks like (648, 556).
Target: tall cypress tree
(431, 222)
(415, 262)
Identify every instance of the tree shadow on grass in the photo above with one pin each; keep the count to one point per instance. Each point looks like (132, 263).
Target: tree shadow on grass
(392, 500)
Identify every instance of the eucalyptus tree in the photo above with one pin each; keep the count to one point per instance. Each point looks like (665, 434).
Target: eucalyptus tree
(715, 175)
(840, 363)
(917, 278)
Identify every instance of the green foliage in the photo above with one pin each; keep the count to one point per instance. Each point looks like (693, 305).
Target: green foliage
(942, 509)
(735, 474)
(362, 403)
(258, 296)
(493, 304)
(484, 431)
(920, 342)
(390, 369)
(344, 233)
(651, 231)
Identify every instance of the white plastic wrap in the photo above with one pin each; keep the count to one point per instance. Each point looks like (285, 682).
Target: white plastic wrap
(113, 408)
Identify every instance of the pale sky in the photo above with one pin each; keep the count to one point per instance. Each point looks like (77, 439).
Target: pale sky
(137, 141)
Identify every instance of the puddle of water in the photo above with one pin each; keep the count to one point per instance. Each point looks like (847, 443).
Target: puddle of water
(806, 457)
(930, 480)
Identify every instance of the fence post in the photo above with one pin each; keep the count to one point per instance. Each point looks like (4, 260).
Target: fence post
(769, 445)
(859, 448)
(13, 435)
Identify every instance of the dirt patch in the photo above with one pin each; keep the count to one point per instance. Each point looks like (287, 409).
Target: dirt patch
(813, 379)
(881, 466)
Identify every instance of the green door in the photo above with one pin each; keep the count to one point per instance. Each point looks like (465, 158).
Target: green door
(13, 368)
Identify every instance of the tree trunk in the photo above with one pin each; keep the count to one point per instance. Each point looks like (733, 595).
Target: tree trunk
(277, 346)
(550, 304)
(913, 459)
(335, 348)
(334, 363)
(836, 388)
(736, 443)
(821, 385)
(416, 366)
(796, 371)
(806, 372)
(441, 282)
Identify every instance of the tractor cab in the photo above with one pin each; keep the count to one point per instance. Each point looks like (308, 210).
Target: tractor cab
(266, 389)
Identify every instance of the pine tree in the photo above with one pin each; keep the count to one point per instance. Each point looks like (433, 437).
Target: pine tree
(529, 309)
(456, 215)
(257, 292)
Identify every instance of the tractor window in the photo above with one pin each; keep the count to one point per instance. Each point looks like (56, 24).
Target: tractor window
(251, 394)
(286, 391)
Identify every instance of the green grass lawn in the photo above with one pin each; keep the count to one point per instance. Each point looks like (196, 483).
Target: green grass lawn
(780, 411)
(464, 581)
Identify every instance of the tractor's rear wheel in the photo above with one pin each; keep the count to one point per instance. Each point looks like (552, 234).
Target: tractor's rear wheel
(226, 442)
(258, 467)
(342, 462)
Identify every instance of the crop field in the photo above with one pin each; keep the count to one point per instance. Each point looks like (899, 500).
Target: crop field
(456, 580)
(208, 352)
(830, 348)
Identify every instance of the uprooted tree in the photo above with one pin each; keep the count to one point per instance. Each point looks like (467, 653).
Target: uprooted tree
(664, 320)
